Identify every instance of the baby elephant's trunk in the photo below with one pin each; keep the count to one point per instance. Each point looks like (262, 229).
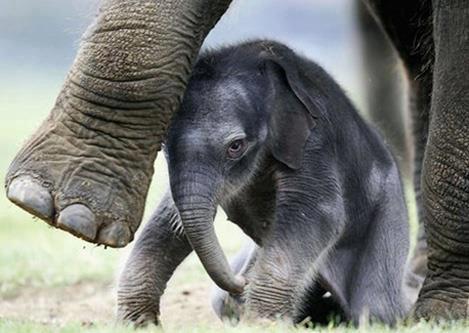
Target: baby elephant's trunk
(195, 201)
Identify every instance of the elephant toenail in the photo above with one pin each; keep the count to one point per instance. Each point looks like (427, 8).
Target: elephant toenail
(79, 220)
(28, 194)
(115, 235)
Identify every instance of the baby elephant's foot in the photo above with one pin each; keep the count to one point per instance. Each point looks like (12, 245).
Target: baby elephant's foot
(138, 300)
(227, 307)
(132, 317)
(85, 173)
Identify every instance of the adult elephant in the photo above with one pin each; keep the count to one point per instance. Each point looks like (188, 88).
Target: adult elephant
(88, 167)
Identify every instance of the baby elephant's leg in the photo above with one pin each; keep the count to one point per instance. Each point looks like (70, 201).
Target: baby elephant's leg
(226, 305)
(160, 248)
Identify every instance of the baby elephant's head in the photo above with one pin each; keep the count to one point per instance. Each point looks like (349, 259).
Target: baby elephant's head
(242, 105)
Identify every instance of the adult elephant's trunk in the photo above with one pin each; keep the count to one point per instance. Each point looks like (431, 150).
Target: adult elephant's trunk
(194, 197)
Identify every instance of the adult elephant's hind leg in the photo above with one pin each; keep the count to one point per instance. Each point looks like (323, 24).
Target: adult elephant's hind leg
(158, 251)
(445, 293)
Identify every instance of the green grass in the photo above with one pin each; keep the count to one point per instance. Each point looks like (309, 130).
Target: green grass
(28, 327)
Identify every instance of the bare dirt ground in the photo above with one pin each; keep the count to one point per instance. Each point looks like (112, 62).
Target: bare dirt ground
(90, 303)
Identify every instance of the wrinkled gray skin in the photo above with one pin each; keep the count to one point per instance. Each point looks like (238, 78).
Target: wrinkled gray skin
(315, 189)
(88, 167)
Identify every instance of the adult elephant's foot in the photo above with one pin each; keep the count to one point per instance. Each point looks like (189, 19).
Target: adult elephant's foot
(443, 299)
(88, 168)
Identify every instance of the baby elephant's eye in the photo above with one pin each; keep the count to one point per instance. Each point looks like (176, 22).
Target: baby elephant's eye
(237, 148)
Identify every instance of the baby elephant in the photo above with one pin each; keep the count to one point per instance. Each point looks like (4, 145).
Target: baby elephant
(271, 138)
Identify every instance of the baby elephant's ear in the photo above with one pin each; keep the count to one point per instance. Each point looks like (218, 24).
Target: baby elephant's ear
(292, 104)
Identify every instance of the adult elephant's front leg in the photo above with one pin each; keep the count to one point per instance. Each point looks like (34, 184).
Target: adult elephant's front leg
(445, 181)
(87, 169)
(161, 247)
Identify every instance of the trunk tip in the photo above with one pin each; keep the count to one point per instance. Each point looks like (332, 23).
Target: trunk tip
(240, 283)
